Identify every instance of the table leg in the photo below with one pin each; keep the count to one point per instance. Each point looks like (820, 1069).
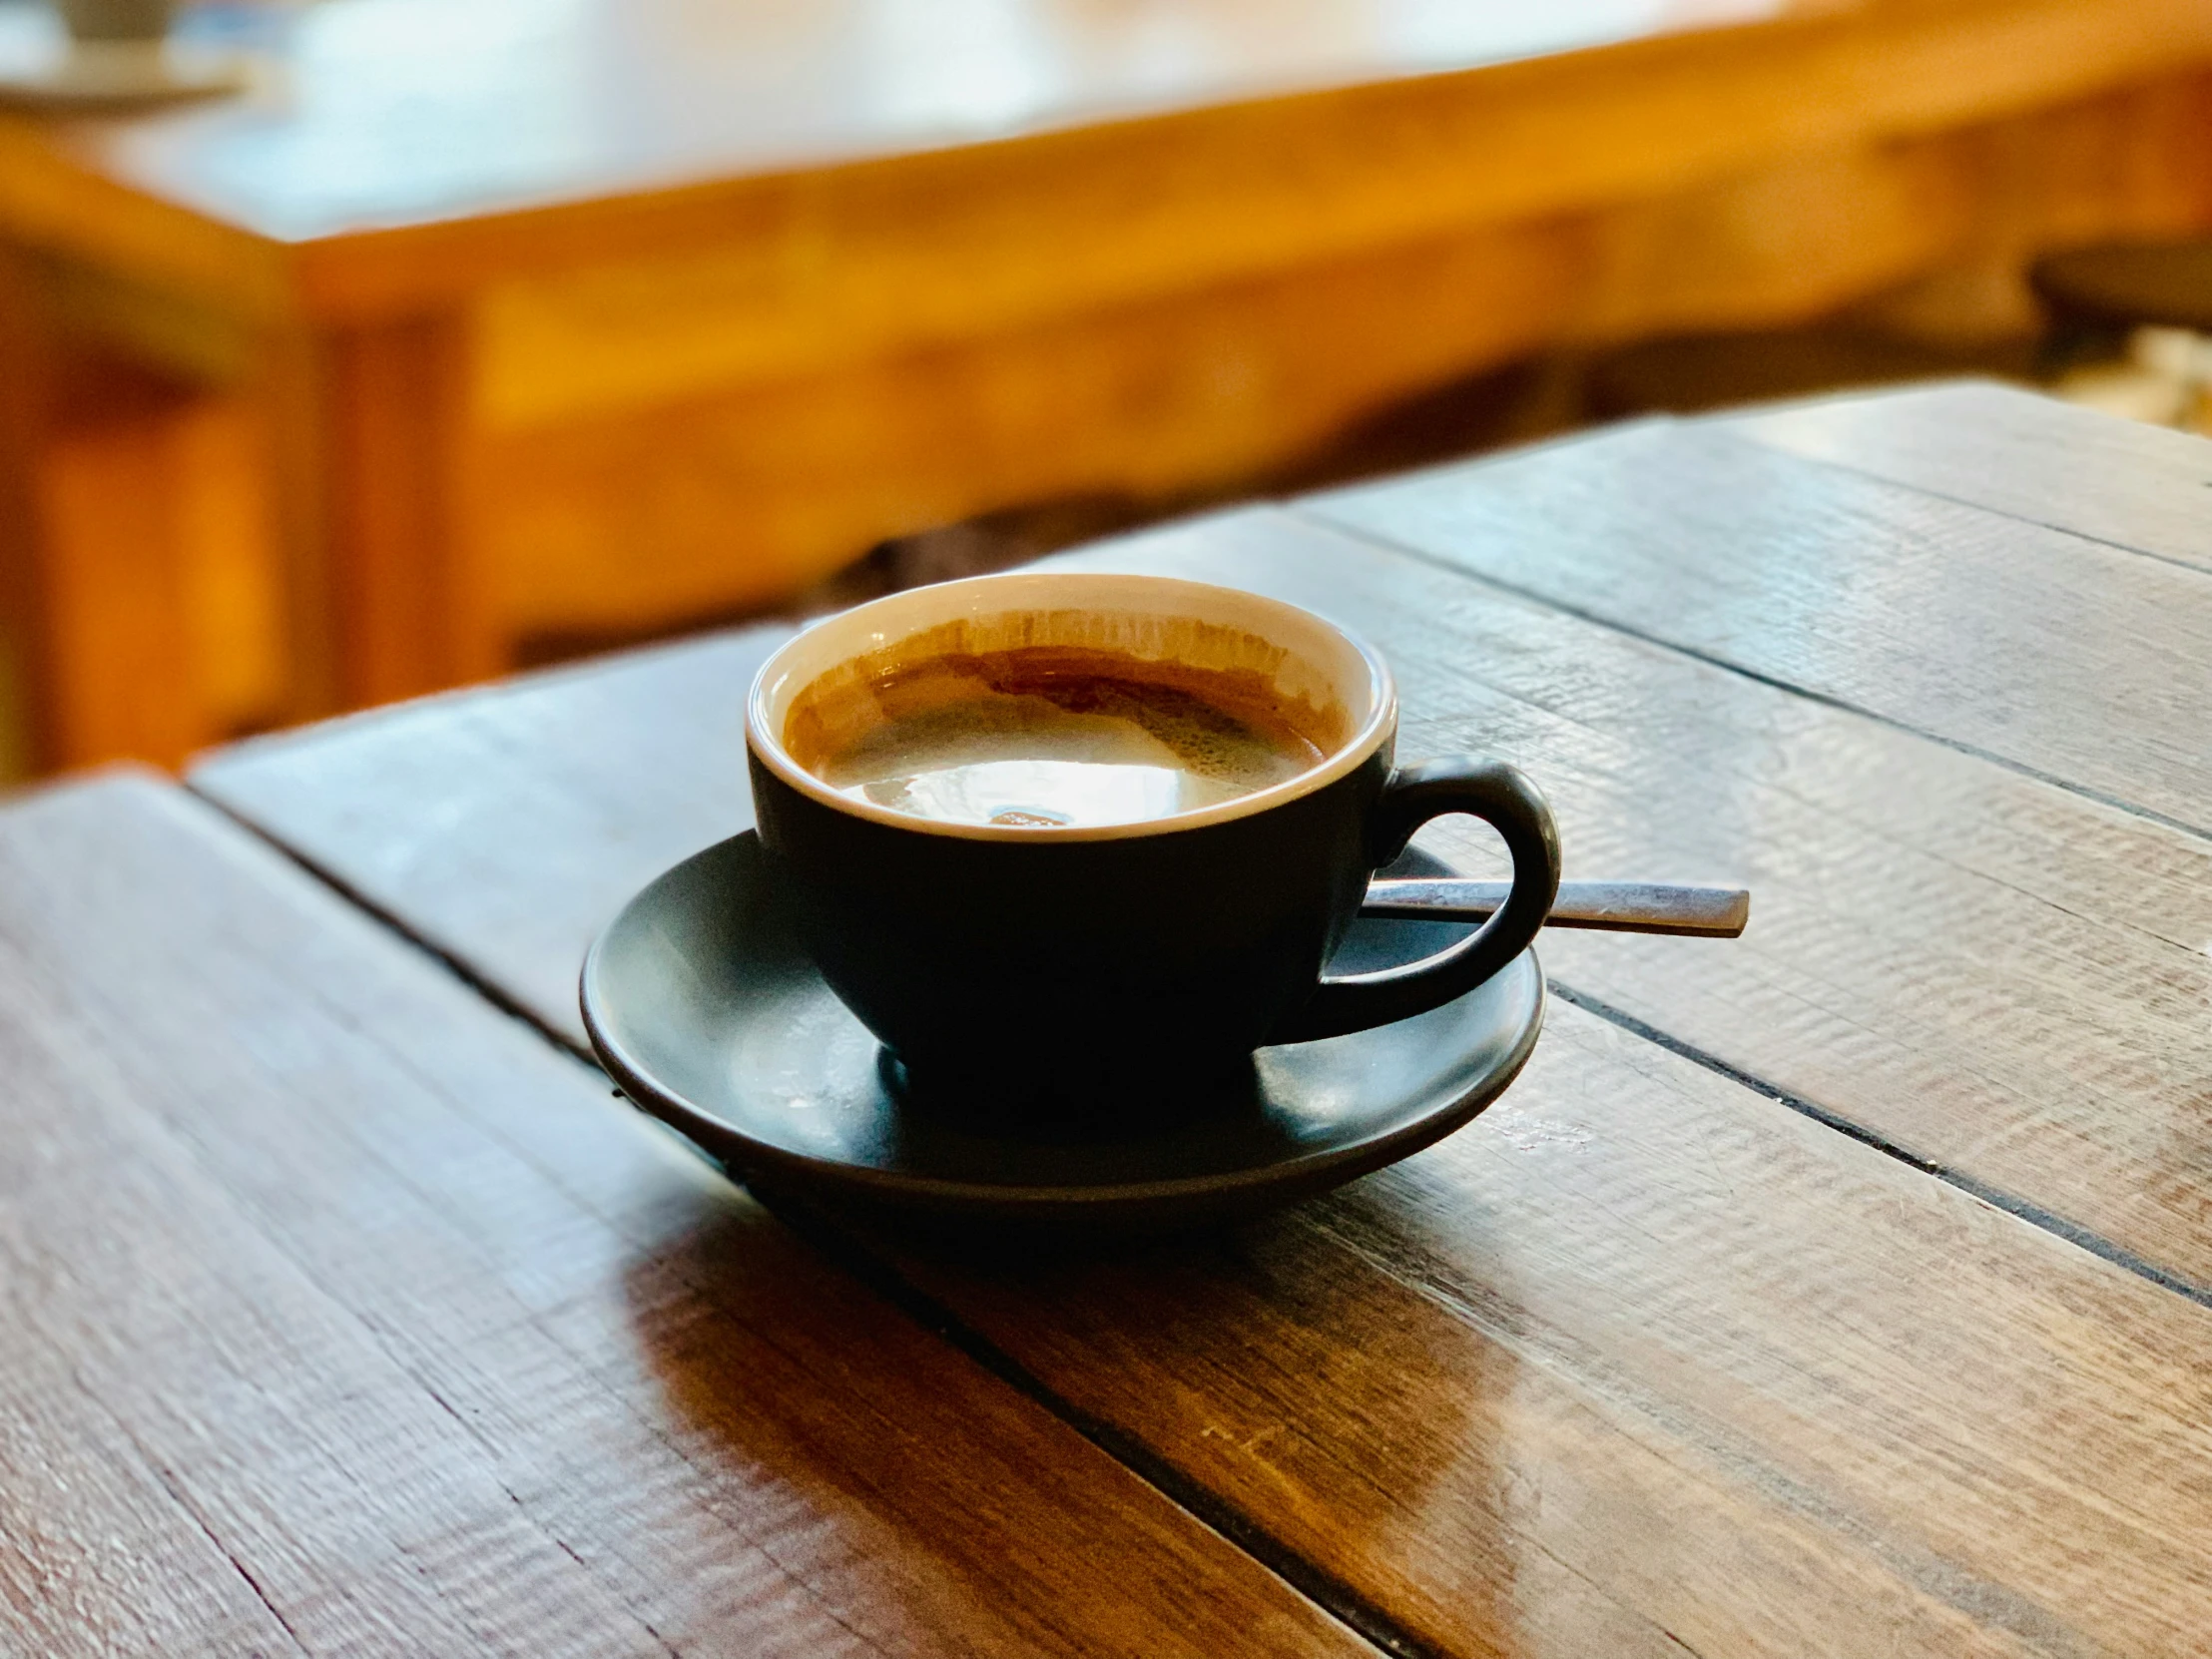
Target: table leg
(371, 451)
(91, 547)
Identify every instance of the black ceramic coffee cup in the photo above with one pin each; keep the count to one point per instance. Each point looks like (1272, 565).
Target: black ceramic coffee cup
(989, 956)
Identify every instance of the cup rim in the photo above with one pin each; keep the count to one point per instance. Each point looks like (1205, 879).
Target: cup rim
(1001, 592)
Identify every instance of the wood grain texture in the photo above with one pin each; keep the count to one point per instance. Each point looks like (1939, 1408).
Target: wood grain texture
(1642, 1354)
(344, 1315)
(1994, 974)
(2067, 657)
(1990, 972)
(650, 769)
(2029, 457)
(1642, 1361)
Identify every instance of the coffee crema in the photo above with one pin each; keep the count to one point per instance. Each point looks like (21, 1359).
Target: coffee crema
(1051, 735)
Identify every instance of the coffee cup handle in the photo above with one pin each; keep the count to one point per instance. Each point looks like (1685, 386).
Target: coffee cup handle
(1509, 803)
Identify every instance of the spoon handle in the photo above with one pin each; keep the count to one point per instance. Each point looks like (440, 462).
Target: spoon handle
(1619, 906)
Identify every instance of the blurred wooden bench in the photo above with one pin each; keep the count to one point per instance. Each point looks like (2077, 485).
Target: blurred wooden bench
(603, 318)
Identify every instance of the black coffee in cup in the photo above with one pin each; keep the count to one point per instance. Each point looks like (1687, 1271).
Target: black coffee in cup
(1045, 735)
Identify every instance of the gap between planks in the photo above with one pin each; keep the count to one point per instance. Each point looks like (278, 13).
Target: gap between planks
(1774, 426)
(1331, 1594)
(1827, 699)
(1996, 1197)
(2011, 1204)
(2096, 1244)
(1834, 466)
(1339, 1600)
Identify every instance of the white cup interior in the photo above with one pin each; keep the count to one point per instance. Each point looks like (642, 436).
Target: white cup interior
(1308, 661)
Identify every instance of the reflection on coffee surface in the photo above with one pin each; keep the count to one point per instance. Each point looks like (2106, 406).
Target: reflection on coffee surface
(1051, 735)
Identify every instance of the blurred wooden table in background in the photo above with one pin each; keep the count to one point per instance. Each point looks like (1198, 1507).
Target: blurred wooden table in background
(489, 320)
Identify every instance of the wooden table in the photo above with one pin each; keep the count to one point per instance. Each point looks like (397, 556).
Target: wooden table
(486, 321)
(1843, 1290)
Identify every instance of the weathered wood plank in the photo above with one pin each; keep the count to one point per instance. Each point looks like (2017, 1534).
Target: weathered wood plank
(2016, 454)
(1991, 973)
(472, 786)
(312, 1258)
(1642, 1360)
(2067, 657)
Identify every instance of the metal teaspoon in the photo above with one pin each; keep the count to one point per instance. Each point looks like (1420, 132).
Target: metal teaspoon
(1619, 906)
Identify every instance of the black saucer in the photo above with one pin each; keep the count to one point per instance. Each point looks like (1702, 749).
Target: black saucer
(705, 1009)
